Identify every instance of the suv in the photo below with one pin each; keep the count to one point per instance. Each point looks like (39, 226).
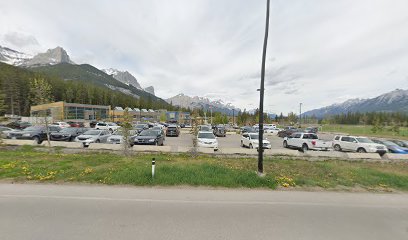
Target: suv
(219, 131)
(357, 144)
(172, 130)
(251, 140)
(107, 126)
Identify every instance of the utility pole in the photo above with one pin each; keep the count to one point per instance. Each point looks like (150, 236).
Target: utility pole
(300, 115)
(261, 94)
(211, 115)
(233, 117)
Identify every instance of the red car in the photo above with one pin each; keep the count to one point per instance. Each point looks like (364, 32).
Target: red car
(76, 124)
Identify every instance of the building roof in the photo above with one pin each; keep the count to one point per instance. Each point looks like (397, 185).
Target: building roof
(144, 110)
(151, 110)
(118, 109)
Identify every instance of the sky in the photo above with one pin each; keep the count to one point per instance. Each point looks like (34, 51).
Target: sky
(319, 52)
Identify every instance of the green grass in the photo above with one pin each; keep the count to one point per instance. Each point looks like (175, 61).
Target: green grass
(365, 130)
(28, 165)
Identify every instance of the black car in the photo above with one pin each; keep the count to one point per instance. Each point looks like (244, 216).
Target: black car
(149, 137)
(288, 132)
(219, 131)
(36, 133)
(172, 130)
(18, 125)
(248, 129)
(67, 134)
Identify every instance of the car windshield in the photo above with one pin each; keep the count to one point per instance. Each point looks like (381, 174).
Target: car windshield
(364, 140)
(92, 132)
(206, 135)
(148, 133)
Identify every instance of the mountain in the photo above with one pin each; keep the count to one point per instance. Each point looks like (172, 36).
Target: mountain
(150, 90)
(50, 57)
(90, 74)
(124, 77)
(13, 57)
(196, 102)
(394, 101)
(15, 83)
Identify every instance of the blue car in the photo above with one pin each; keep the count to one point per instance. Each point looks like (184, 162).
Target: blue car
(392, 146)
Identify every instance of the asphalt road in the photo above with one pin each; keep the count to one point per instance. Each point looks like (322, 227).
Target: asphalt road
(99, 212)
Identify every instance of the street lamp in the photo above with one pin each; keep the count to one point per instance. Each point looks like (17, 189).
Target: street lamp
(261, 94)
(300, 115)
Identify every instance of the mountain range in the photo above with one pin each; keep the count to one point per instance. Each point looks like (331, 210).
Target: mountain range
(57, 62)
(196, 102)
(394, 101)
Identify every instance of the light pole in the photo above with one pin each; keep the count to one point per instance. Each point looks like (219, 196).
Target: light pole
(211, 115)
(261, 94)
(300, 115)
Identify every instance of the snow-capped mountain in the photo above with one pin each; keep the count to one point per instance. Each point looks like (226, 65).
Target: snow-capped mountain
(50, 57)
(202, 103)
(13, 57)
(124, 77)
(394, 101)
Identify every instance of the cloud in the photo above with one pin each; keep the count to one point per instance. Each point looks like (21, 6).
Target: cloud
(19, 40)
(318, 51)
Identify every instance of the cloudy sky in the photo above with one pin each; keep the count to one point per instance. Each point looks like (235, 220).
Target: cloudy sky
(319, 52)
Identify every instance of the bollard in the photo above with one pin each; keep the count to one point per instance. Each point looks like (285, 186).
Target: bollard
(153, 165)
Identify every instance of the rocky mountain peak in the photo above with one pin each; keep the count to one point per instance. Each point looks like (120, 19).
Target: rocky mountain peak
(150, 90)
(50, 57)
(124, 77)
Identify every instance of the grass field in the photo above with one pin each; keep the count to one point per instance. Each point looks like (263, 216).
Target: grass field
(27, 165)
(365, 130)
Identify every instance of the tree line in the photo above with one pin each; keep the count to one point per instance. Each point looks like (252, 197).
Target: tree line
(15, 85)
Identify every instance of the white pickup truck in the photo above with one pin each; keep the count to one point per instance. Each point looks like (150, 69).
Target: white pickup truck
(306, 141)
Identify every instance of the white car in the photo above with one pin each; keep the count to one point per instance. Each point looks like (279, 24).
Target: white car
(357, 144)
(271, 130)
(61, 124)
(207, 139)
(117, 137)
(251, 140)
(93, 136)
(111, 127)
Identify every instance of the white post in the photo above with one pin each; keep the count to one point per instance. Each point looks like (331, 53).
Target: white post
(153, 166)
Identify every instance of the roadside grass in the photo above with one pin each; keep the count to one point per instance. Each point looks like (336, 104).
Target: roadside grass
(365, 130)
(28, 165)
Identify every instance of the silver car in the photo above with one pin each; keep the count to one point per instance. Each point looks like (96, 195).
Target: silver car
(93, 136)
(117, 137)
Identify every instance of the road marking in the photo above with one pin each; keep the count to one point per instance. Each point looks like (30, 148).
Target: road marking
(175, 201)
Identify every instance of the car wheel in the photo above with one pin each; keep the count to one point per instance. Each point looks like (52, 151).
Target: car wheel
(110, 130)
(337, 147)
(98, 141)
(156, 143)
(250, 146)
(37, 140)
(285, 144)
(305, 148)
(361, 150)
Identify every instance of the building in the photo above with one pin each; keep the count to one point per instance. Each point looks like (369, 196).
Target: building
(178, 117)
(62, 111)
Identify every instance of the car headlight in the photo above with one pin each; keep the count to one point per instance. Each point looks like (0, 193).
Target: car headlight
(151, 140)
